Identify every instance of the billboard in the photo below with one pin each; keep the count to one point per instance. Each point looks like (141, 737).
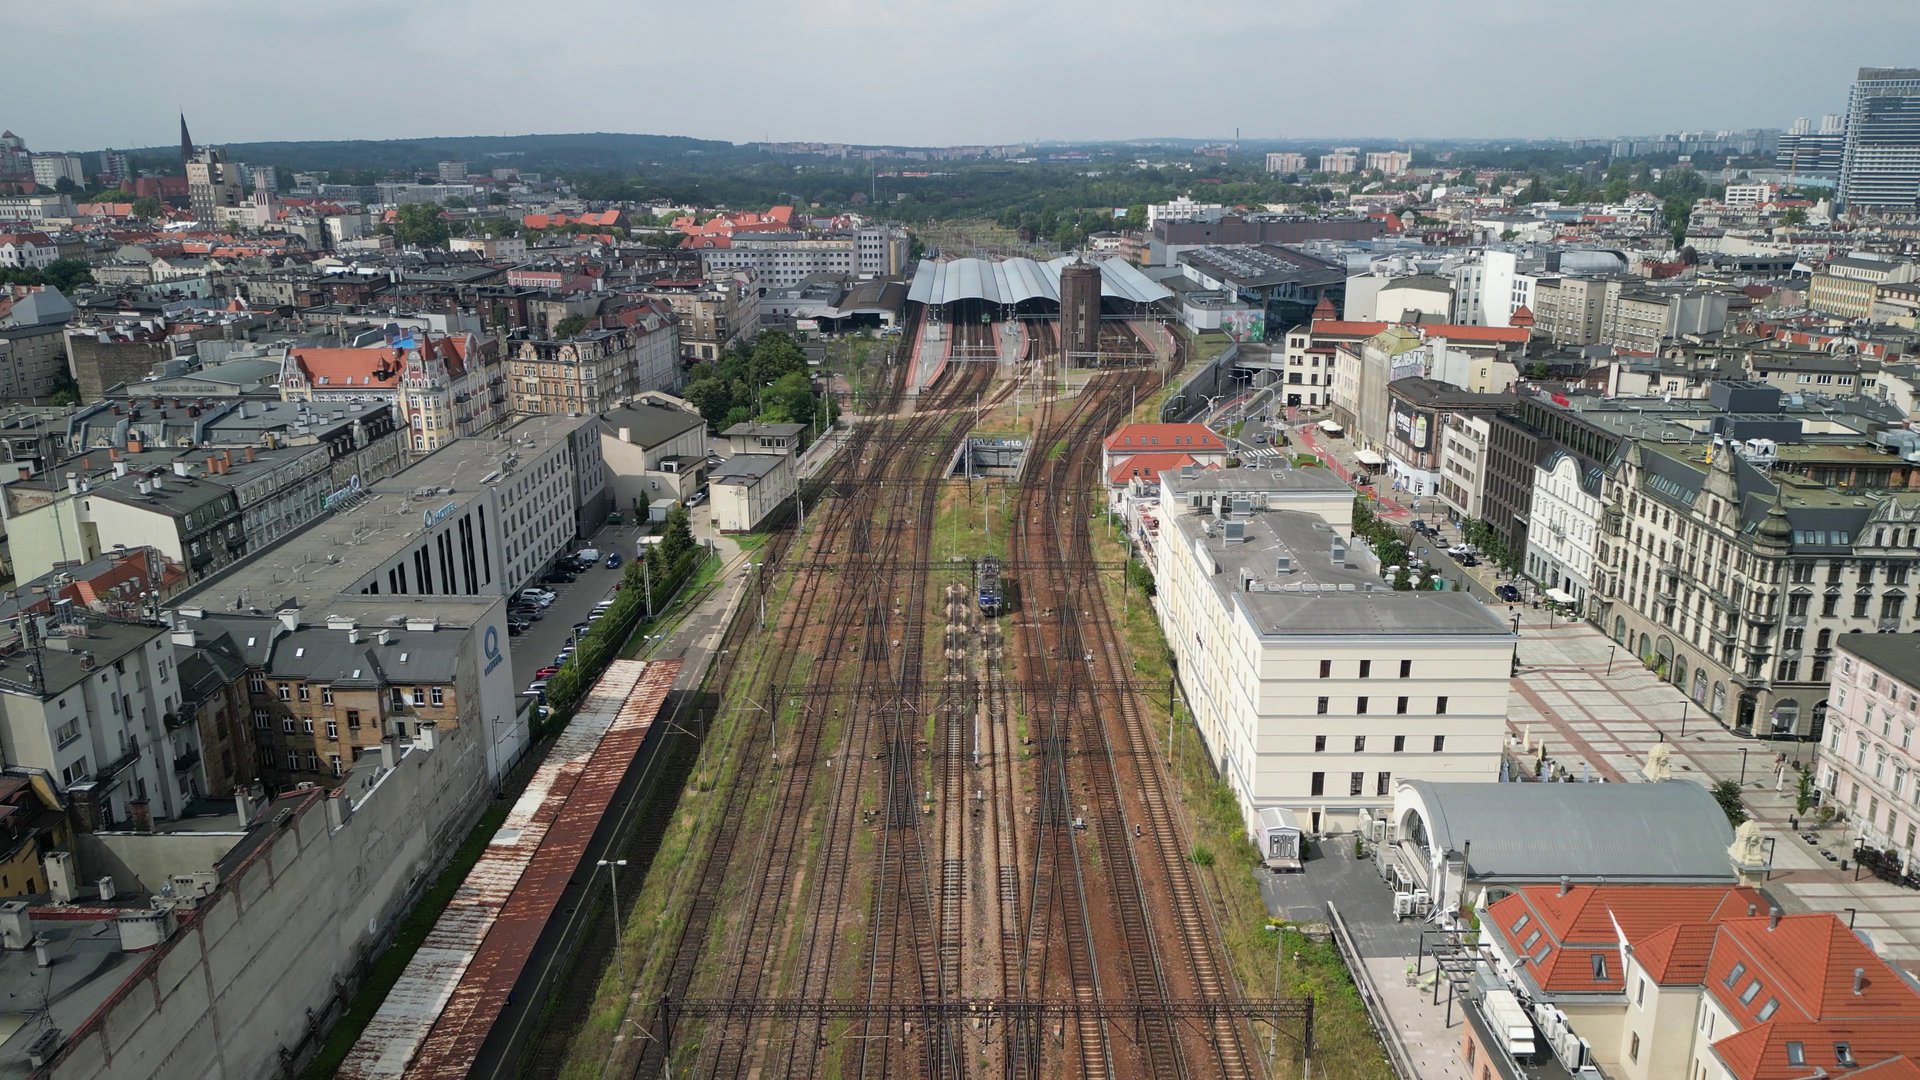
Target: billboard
(1244, 325)
(1412, 426)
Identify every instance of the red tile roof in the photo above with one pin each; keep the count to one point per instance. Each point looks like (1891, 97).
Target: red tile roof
(1807, 962)
(1337, 328)
(1164, 437)
(1589, 920)
(1464, 332)
(336, 368)
(1146, 466)
(1760, 1053)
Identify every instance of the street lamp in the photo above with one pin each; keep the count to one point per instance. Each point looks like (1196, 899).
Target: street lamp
(1743, 766)
(1684, 704)
(1610, 652)
(613, 872)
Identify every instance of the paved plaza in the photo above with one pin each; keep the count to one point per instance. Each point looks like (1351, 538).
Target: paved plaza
(1601, 724)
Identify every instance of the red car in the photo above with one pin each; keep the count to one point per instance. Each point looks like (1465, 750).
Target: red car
(545, 671)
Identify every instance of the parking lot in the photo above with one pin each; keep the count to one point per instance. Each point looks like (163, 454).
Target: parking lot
(535, 648)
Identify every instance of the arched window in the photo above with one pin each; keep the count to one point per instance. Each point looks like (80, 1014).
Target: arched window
(1719, 706)
(1786, 714)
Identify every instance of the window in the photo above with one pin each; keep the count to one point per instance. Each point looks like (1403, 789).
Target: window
(1640, 995)
(305, 693)
(1366, 668)
(68, 732)
(285, 691)
(74, 772)
(1519, 923)
(353, 719)
(398, 697)
(333, 762)
(260, 719)
(1440, 706)
(1326, 669)
(1321, 707)
(1319, 744)
(333, 728)
(1406, 669)
(1767, 1010)
(1399, 743)
(1359, 744)
(1633, 1048)
(1796, 1053)
(1319, 784)
(1383, 783)
(293, 761)
(1400, 706)
(1599, 967)
(307, 723)
(257, 682)
(313, 761)
(1439, 743)
(439, 695)
(1752, 991)
(1355, 782)
(1360, 706)
(419, 696)
(326, 695)
(1843, 1054)
(286, 724)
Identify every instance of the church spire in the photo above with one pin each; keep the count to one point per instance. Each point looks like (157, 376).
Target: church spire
(186, 143)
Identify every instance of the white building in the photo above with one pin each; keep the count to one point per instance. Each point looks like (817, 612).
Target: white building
(1391, 162)
(747, 488)
(1286, 163)
(1314, 685)
(27, 251)
(1563, 522)
(453, 172)
(1504, 289)
(1343, 159)
(1183, 209)
(1748, 196)
(1463, 464)
(50, 169)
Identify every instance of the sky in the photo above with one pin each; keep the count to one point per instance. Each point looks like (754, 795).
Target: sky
(920, 73)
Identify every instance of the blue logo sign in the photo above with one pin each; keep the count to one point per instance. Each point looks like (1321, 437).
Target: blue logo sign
(490, 644)
(343, 495)
(434, 517)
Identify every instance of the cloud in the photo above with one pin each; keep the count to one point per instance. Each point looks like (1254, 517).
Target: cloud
(913, 71)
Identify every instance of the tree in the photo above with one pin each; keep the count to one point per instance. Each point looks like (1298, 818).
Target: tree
(65, 185)
(146, 209)
(420, 225)
(456, 202)
(1618, 189)
(1795, 216)
(641, 503)
(569, 326)
(65, 390)
(1727, 794)
(113, 195)
(68, 274)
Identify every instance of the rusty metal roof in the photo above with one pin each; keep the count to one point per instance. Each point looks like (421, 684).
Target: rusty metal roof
(435, 1018)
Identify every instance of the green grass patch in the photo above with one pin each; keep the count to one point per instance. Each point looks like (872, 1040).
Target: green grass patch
(414, 927)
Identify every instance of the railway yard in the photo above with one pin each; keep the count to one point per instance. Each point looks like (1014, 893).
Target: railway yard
(928, 832)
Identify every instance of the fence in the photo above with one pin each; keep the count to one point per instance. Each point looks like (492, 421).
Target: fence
(1397, 1055)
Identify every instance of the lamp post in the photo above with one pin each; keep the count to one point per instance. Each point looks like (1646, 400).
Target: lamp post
(1743, 766)
(613, 873)
(1684, 703)
(1610, 651)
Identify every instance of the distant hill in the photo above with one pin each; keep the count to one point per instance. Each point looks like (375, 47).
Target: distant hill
(589, 150)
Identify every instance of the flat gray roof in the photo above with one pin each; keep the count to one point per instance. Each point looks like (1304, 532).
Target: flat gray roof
(1671, 831)
(1010, 281)
(1317, 596)
(649, 425)
(747, 467)
(1896, 654)
(1254, 480)
(60, 668)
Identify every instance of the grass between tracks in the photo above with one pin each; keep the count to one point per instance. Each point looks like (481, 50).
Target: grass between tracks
(1345, 1046)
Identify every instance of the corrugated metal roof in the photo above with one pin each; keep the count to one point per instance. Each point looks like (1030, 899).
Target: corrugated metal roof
(1011, 281)
(439, 1012)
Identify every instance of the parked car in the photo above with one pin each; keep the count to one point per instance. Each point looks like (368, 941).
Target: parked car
(1458, 550)
(558, 577)
(697, 498)
(603, 605)
(1509, 593)
(1260, 438)
(546, 671)
(587, 556)
(613, 561)
(540, 597)
(515, 628)
(1467, 560)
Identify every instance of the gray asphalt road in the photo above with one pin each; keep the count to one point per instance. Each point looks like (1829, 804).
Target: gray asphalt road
(534, 649)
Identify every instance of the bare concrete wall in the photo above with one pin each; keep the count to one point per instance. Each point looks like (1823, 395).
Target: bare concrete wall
(141, 863)
(254, 970)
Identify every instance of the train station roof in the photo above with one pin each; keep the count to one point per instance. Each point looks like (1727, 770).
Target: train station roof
(1010, 281)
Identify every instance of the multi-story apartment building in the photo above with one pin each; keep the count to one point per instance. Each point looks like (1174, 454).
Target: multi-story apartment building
(1418, 409)
(591, 372)
(27, 250)
(1563, 522)
(50, 169)
(1734, 583)
(1313, 684)
(1868, 766)
(441, 388)
(1286, 162)
(213, 184)
(86, 699)
(712, 315)
(1342, 160)
(783, 259)
(33, 341)
(1570, 311)
(1880, 169)
(1463, 464)
(1845, 287)
(1805, 151)
(1638, 320)
(1391, 162)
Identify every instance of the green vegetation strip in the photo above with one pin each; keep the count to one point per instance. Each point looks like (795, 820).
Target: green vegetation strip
(414, 927)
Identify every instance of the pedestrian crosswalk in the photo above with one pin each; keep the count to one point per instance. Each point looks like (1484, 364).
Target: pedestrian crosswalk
(1265, 453)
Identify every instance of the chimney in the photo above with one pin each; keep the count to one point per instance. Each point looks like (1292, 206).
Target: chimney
(389, 758)
(1859, 981)
(113, 453)
(25, 472)
(119, 470)
(134, 445)
(182, 467)
(1752, 910)
(185, 636)
(353, 636)
(1566, 884)
(144, 487)
(73, 482)
(245, 802)
(1773, 916)
(384, 636)
(289, 618)
(626, 434)
(426, 736)
(249, 455)
(226, 460)
(339, 810)
(159, 482)
(16, 928)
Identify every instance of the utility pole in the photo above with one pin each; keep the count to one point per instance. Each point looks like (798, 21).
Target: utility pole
(619, 946)
(646, 574)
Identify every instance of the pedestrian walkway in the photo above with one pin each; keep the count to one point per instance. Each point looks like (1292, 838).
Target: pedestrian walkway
(1589, 705)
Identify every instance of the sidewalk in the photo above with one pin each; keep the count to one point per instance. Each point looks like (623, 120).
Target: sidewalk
(1587, 718)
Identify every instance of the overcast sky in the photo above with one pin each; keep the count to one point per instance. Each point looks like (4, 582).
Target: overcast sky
(905, 71)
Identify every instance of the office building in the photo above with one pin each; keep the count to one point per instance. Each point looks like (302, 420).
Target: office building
(1314, 685)
(50, 169)
(1880, 172)
(213, 185)
(453, 172)
(1813, 152)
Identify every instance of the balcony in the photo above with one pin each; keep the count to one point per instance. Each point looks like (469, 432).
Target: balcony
(118, 765)
(185, 762)
(1795, 621)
